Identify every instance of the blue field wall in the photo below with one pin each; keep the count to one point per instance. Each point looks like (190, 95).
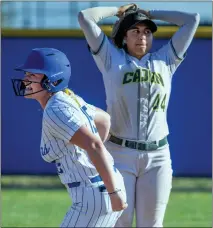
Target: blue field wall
(189, 112)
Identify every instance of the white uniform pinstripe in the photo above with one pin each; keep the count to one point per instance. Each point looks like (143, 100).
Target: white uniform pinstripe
(62, 117)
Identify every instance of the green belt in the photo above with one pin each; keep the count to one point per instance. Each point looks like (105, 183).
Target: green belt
(137, 145)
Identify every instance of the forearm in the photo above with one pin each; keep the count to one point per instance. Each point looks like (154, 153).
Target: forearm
(97, 153)
(98, 13)
(105, 168)
(174, 17)
(88, 20)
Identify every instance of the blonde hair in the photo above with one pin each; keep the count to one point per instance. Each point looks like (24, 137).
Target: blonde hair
(69, 92)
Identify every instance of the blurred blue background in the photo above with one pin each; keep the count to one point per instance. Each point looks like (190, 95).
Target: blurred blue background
(190, 107)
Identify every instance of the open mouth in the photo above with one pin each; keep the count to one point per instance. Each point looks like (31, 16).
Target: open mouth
(23, 87)
(28, 89)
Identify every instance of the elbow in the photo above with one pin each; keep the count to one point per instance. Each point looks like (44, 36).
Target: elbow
(196, 18)
(96, 147)
(81, 17)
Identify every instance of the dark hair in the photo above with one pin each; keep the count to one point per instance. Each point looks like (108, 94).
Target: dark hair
(122, 26)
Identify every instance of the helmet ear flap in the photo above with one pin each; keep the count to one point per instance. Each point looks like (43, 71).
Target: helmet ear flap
(45, 83)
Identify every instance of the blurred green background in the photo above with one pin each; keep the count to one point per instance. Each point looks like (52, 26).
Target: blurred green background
(33, 201)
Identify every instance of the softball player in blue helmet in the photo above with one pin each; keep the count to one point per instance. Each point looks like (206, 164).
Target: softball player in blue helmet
(71, 139)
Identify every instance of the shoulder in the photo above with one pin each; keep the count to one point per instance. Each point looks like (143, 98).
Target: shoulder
(60, 104)
(61, 99)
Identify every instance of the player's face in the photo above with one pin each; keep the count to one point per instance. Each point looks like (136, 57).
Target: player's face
(139, 40)
(33, 86)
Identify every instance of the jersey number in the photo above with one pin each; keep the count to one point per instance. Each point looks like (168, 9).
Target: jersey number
(93, 127)
(158, 103)
(59, 169)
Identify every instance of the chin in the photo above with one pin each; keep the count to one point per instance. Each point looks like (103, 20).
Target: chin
(30, 96)
(141, 49)
(141, 53)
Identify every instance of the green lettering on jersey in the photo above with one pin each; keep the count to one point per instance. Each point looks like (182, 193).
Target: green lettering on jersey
(153, 77)
(146, 73)
(127, 77)
(159, 79)
(137, 75)
(143, 75)
(163, 103)
(156, 102)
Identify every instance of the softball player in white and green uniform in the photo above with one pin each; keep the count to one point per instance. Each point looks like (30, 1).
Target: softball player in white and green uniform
(138, 87)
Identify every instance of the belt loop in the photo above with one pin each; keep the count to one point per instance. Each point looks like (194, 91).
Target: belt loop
(123, 143)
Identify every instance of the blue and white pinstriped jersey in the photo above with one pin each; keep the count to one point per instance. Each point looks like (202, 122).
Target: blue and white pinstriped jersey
(62, 117)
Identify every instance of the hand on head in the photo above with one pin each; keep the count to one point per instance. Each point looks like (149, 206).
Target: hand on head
(125, 8)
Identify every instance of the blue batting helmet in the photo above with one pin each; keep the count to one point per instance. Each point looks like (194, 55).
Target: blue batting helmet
(51, 62)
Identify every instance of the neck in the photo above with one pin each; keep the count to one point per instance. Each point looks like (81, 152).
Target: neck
(43, 101)
(139, 57)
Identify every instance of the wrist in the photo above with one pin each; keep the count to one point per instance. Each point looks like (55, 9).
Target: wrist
(114, 192)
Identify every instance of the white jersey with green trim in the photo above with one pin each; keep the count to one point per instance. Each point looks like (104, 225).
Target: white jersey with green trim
(138, 91)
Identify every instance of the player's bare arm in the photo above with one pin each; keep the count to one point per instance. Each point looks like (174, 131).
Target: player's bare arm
(102, 122)
(98, 155)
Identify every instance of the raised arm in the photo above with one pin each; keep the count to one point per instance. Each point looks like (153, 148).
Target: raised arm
(188, 23)
(88, 20)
